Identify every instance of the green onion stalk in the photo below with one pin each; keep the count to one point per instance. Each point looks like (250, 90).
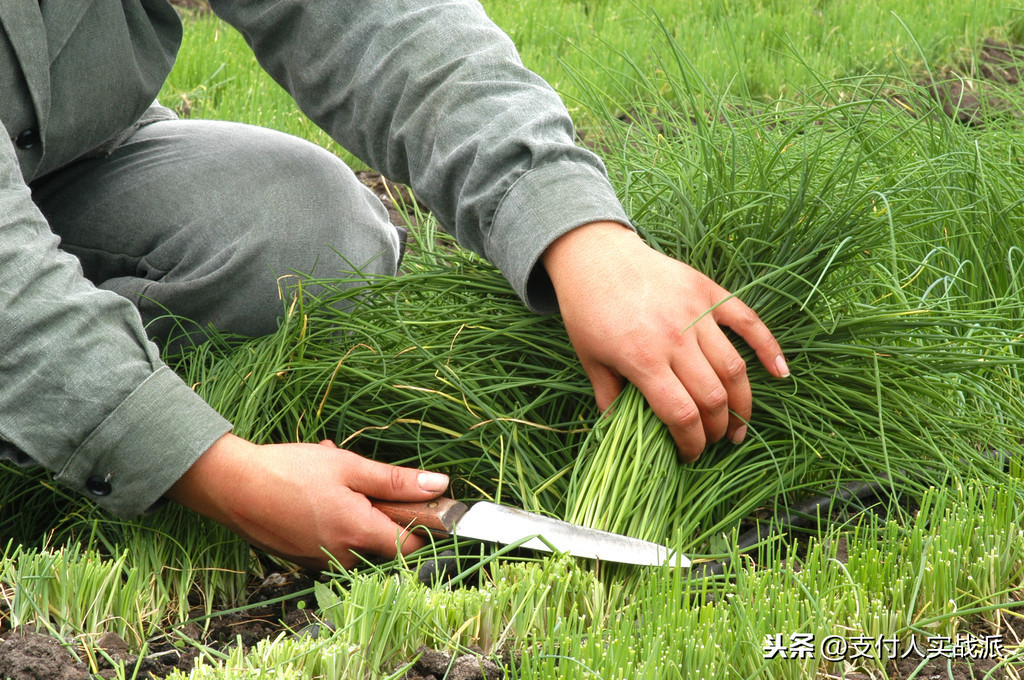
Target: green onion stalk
(900, 323)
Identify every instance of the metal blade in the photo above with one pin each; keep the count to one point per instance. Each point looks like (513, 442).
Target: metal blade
(500, 524)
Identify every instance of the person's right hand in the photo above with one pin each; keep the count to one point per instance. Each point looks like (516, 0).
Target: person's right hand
(297, 500)
(633, 313)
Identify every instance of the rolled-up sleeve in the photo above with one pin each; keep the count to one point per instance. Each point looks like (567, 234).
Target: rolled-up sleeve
(432, 93)
(83, 392)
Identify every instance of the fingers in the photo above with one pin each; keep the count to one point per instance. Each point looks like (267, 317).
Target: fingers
(675, 407)
(377, 534)
(742, 319)
(386, 538)
(394, 483)
(690, 393)
(730, 369)
(714, 375)
(703, 394)
(369, 532)
(607, 384)
(390, 482)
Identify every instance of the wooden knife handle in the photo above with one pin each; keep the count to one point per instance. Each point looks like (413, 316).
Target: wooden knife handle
(438, 516)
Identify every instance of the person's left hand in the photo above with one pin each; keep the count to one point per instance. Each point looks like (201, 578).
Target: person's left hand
(305, 501)
(635, 314)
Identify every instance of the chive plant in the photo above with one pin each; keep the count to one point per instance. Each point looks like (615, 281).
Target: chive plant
(905, 348)
(440, 367)
(898, 581)
(74, 592)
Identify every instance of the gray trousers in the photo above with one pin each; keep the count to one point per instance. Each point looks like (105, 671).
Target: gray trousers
(207, 220)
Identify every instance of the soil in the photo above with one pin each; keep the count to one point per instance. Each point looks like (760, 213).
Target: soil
(972, 93)
(34, 655)
(944, 669)
(397, 198)
(433, 664)
(30, 655)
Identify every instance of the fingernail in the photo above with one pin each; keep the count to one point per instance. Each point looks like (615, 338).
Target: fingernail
(781, 367)
(432, 481)
(739, 434)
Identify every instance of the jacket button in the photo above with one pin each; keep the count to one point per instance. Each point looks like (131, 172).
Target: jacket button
(26, 139)
(99, 486)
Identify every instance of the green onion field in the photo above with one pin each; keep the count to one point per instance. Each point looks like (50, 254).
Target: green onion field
(852, 171)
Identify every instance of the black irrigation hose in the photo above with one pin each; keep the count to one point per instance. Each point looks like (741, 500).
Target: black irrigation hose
(805, 515)
(801, 516)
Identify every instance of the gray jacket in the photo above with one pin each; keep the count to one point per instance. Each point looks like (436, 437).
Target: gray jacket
(429, 92)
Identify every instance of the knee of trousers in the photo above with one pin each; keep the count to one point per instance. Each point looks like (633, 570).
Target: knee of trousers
(304, 219)
(325, 225)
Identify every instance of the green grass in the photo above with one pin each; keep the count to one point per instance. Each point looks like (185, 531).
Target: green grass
(216, 77)
(763, 145)
(941, 575)
(764, 50)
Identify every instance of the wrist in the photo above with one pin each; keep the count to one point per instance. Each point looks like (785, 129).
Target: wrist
(207, 486)
(585, 245)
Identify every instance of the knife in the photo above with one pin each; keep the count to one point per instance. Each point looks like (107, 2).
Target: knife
(501, 524)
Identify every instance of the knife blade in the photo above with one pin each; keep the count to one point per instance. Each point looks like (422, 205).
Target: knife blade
(501, 524)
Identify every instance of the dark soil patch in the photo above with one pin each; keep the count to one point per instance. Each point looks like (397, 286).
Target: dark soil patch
(33, 656)
(433, 664)
(959, 668)
(30, 655)
(941, 668)
(401, 205)
(974, 92)
(960, 665)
